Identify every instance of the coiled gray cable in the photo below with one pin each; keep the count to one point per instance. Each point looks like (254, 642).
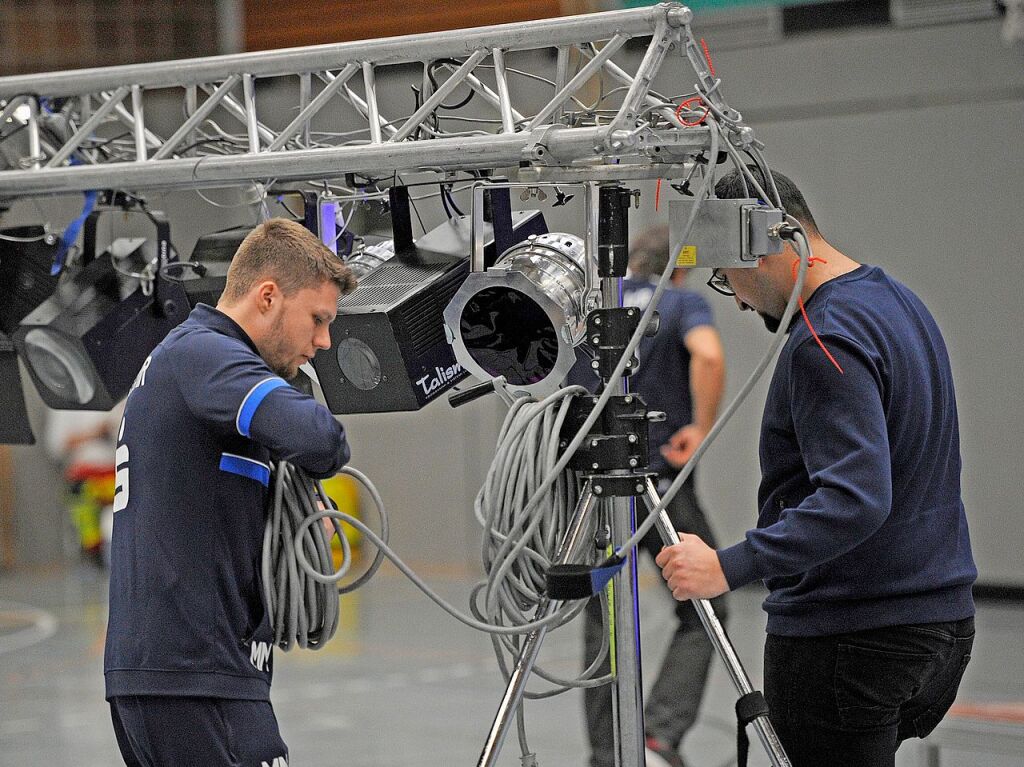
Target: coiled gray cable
(297, 567)
(519, 547)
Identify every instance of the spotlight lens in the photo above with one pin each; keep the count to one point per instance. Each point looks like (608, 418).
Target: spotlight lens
(359, 364)
(61, 366)
(508, 334)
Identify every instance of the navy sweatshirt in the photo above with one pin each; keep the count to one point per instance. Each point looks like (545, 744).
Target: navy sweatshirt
(204, 419)
(861, 524)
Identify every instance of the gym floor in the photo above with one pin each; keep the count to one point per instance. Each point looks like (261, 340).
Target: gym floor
(401, 683)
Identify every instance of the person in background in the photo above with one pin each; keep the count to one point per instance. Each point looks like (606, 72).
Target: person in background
(861, 534)
(188, 659)
(681, 373)
(82, 443)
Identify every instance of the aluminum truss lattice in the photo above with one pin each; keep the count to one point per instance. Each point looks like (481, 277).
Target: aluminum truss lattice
(216, 122)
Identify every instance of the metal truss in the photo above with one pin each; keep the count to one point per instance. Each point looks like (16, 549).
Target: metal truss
(321, 112)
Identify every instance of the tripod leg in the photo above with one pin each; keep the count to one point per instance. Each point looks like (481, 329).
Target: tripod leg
(720, 640)
(570, 547)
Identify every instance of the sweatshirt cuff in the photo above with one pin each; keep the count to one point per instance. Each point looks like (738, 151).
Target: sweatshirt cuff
(737, 564)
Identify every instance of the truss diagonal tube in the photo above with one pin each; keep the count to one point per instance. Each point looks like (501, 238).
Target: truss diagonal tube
(139, 120)
(305, 93)
(627, 79)
(655, 54)
(312, 107)
(200, 114)
(372, 111)
(252, 125)
(128, 119)
(241, 112)
(492, 98)
(88, 127)
(438, 96)
(364, 109)
(504, 101)
(576, 82)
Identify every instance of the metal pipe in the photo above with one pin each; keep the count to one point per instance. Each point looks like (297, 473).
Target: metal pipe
(251, 123)
(128, 119)
(561, 74)
(197, 116)
(372, 113)
(241, 113)
(305, 94)
(513, 697)
(581, 77)
(364, 109)
(626, 116)
(627, 689)
(492, 98)
(543, 33)
(457, 153)
(504, 102)
(430, 104)
(305, 115)
(88, 126)
(34, 149)
(138, 123)
(716, 633)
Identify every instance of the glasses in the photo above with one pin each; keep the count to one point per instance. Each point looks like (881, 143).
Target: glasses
(719, 283)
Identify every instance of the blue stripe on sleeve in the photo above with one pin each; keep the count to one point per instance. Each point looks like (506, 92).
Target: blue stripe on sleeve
(245, 467)
(252, 401)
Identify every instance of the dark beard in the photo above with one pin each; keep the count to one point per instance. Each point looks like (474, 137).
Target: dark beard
(772, 323)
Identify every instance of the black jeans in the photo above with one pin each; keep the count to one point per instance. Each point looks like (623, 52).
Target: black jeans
(849, 700)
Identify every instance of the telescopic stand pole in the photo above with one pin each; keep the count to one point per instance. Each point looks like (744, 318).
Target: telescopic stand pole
(716, 633)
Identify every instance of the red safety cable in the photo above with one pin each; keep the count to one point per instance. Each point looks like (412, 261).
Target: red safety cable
(685, 104)
(657, 194)
(707, 55)
(803, 311)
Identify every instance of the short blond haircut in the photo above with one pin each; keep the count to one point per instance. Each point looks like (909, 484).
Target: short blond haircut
(287, 253)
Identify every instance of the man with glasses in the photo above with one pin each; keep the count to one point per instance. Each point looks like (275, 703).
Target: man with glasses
(861, 538)
(681, 373)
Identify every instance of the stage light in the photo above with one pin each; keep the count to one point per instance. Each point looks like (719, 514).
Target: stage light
(15, 428)
(26, 257)
(85, 343)
(388, 346)
(521, 317)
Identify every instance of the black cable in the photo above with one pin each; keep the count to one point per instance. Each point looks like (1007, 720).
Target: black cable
(430, 75)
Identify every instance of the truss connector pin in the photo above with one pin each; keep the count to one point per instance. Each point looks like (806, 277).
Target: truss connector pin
(678, 16)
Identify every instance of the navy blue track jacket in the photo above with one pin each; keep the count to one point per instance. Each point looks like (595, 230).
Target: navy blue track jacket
(203, 421)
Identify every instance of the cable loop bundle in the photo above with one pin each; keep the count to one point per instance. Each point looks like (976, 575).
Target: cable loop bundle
(520, 542)
(299, 579)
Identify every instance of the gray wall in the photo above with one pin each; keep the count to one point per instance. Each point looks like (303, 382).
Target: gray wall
(909, 147)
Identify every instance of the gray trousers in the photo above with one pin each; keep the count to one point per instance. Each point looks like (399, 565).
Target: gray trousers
(671, 707)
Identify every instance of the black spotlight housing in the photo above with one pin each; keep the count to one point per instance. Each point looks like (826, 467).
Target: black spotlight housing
(26, 257)
(389, 351)
(85, 343)
(15, 428)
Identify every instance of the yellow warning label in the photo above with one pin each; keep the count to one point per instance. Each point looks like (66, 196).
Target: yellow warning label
(687, 256)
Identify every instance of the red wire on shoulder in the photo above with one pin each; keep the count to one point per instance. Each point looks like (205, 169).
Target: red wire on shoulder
(803, 311)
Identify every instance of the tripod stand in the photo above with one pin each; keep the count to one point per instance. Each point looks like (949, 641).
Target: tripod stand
(572, 546)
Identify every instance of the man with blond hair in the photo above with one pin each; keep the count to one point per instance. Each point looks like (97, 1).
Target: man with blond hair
(188, 662)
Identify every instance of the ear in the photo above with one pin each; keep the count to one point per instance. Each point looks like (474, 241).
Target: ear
(268, 295)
